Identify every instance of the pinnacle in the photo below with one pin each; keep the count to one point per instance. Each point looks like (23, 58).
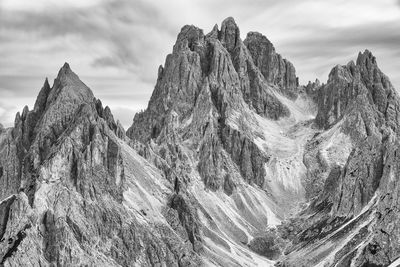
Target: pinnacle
(365, 57)
(65, 69)
(46, 83)
(230, 34)
(229, 21)
(66, 65)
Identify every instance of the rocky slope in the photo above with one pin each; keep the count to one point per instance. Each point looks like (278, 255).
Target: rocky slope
(353, 220)
(232, 164)
(75, 194)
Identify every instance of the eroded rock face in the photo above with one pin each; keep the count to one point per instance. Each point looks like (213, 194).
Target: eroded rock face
(359, 102)
(67, 161)
(274, 68)
(268, 245)
(213, 75)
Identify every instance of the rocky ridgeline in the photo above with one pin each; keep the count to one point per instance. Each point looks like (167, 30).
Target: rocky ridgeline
(355, 207)
(274, 68)
(63, 178)
(207, 80)
(76, 192)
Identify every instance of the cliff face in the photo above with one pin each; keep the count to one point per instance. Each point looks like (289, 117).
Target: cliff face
(204, 124)
(354, 208)
(73, 190)
(274, 68)
(206, 82)
(231, 164)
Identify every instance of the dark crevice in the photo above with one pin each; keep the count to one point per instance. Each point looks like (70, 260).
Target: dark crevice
(19, 238)
(74, 169)
(4, 212)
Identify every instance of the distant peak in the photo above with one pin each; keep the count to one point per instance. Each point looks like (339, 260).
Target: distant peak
(229, 21)
(66, 65)
(256, 37)
(41, 100)
(65, 69)
(230, 34)
(365, 58)
(67, 76)
(46, 83)
(214, 32)
(215, 28)
(189, 36)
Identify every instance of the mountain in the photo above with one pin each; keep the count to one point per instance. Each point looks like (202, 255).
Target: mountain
(233, 163)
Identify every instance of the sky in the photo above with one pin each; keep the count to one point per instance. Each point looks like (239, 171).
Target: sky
(116, 46)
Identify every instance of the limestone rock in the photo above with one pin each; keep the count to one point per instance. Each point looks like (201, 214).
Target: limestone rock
(274, 68)
(229, 34)
(355, 102)
(66, 159)
(228, 161)
(219, 57)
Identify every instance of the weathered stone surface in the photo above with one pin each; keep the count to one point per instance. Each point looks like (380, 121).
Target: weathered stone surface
(274, 68)
(355, 196)
(227, 143)
(73, 182)
(206, 73)
(229, 34)
(9, 165)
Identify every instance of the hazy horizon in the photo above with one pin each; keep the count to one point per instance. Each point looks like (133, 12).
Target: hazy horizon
(115, 47)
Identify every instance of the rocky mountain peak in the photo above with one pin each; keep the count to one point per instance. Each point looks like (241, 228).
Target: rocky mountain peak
(362, 80)
(68, 80)
(232, 77)
(65, 71)
(272, 65)
(256, 37)
(214, 32)
(68, 87)
(371, 75)
(229, 34)
(340, 72)
(188, 37)
(41, 99)
(366, 58)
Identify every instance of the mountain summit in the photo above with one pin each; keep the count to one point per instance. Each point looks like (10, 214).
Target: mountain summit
(233, 163)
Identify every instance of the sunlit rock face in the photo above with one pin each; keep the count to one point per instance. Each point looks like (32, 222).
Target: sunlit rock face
(233, 163)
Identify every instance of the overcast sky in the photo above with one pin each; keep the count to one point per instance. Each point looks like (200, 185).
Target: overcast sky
(115, 46)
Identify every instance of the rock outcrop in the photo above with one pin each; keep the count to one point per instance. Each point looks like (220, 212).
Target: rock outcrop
(212, 75)
(274, 68)
(359, 102)
(201, 121)
(65, 180)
